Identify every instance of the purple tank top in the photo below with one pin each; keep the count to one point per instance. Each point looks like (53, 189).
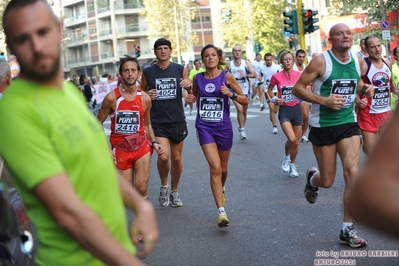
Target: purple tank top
(213, 107)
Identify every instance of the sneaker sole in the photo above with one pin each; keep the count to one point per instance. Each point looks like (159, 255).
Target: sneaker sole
(294, 176)
(311, 196)
(176, 205)
(224, 223)
(165, 204)
(344, 242)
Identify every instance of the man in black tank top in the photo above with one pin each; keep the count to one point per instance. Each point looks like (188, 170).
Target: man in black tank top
(163, 82)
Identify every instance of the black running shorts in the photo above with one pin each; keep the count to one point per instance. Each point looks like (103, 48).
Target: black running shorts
(321, 136)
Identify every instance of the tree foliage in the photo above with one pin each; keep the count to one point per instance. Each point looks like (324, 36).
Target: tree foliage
(161, 16)
(255, 21)
(3, 4)
(374, 10)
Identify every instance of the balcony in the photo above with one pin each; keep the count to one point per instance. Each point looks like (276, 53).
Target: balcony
(76, 20)
(105, 34)
(131, 31)
(102, 10)
(127, 8)
(67, 3)
(145, 53)
(107, 55)
(71, 41)
(78, 61)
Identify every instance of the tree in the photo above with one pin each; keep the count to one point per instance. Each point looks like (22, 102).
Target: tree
(256, 21)
(3, 4)
(374, 10)
(166, 18)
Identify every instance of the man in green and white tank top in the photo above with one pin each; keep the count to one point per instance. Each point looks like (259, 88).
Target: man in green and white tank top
(335, 75)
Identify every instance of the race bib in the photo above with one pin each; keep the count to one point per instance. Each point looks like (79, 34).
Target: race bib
(166, 88)
(380, 99)
(243, 85)
(211, 109)
(346, 88)
(286, 94)
(127, 122)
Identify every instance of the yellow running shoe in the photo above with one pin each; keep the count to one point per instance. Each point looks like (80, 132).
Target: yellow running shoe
(223, 220)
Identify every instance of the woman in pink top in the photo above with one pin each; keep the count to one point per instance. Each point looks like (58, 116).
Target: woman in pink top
(290, 115)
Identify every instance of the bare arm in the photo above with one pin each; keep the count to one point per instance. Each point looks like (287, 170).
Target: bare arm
(316, 69)
(186, 82)
(374, 199)
(232, 82)
(145, 222)
(252, 72)
(107, 107)
(144, 83)
(61, 201)
(190, 98)
(147, 123)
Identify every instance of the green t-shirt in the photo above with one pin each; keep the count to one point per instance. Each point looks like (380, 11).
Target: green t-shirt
(395, 77)
(46, 131)
(194, 72)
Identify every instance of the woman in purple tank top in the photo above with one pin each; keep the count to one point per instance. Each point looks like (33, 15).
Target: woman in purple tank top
(212, 90)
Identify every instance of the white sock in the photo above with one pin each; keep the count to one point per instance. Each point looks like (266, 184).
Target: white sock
(242, 129)
(345, 225)
(221, 209)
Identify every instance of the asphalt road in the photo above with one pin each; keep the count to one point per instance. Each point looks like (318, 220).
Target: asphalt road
(271, 223)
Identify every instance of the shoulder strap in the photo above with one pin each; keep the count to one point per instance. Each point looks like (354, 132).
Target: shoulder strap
(1, 167)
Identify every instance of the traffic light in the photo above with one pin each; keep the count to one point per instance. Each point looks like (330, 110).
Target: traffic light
(137, 52)
(226, 15)
(309, 20)
(291, 21)
(258, 47)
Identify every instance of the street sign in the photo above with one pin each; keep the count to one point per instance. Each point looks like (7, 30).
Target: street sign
(384, 24)
(386, 35)
(286, 33)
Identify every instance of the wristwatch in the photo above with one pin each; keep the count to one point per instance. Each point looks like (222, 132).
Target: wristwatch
(154, 142)
(234, 97)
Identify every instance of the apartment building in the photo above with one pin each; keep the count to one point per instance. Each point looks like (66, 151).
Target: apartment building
(98, 32)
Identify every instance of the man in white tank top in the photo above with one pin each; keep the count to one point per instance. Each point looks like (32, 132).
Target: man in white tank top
(242, 70)
(300, 65)
(374, 111)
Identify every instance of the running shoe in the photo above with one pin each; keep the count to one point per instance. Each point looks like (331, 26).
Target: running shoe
(163, 196)
(223, 220)
(224, 195)
(262, 107)
(286, 164)
(293, 172)
(310, 192)
(349, 237)
(175, 199)
(275, 130)
(242, 133)
(304, 139)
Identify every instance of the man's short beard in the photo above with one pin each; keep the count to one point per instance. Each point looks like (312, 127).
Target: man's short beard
(40, 76)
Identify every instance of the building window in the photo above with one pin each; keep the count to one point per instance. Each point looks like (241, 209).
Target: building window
(132, 23)
(328, 3)
(90, 6)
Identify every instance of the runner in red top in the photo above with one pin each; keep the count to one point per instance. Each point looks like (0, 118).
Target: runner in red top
(131, 130)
